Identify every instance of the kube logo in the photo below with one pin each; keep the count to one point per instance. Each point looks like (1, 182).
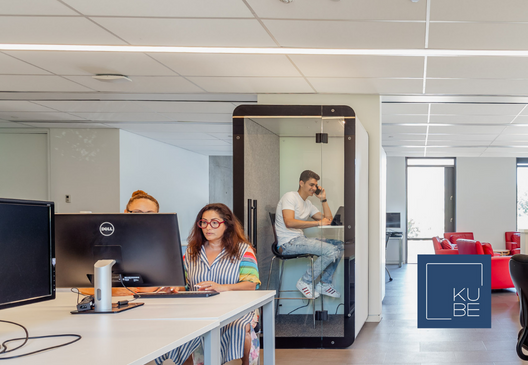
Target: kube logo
(454, 291)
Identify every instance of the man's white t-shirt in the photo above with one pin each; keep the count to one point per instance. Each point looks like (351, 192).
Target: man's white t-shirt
(303, 209)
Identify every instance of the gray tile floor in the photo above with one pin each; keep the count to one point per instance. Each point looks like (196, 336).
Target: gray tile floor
(396, 340)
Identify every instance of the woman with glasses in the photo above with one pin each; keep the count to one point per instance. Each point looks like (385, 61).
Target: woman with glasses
(220, 258)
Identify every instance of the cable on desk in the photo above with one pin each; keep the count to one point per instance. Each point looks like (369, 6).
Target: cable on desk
(337, 308)
(4, 350)
(124, 286)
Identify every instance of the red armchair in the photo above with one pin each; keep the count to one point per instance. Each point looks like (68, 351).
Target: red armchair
(513, 242)
(500, 271)
(453, 236)
(443, 249)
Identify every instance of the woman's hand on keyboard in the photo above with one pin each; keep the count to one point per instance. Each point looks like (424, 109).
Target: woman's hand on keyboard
(211, 286)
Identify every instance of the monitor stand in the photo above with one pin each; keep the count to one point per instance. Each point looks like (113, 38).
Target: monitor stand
(103, 291)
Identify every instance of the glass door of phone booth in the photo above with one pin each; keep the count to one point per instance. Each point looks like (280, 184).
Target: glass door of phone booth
(315, 223)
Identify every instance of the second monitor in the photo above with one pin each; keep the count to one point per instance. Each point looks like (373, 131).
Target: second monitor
(146, 247)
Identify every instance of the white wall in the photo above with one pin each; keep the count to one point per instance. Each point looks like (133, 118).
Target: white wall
(24, 165)
(85, 165)
(486, 197)
(177, 178)
(396, 203)
(368, 110)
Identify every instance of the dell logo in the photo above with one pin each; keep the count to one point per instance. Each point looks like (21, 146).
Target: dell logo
(106, 229)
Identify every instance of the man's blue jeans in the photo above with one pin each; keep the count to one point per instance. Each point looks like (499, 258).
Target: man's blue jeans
(329, 251)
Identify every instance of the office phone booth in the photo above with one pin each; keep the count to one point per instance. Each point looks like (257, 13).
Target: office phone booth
(272, 145)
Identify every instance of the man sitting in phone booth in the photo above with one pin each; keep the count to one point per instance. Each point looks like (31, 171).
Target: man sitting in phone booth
(293, 211)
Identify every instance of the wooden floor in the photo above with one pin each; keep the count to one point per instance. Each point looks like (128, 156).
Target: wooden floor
(397, 340)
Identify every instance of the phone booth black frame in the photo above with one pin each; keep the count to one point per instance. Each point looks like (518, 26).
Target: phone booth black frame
(239, 198)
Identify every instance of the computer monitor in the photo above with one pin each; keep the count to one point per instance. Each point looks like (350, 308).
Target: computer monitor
(393, 220)
(146, 248)
(27, 252)
(339, 217)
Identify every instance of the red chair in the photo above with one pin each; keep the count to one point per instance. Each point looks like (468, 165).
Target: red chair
(513, 242)
(441, 248)
(453, 236)
(500, 271)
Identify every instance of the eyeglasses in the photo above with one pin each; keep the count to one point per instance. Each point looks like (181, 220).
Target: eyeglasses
(139, 211)
(202, 223)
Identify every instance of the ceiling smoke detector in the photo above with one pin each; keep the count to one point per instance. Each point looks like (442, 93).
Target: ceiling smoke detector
(286, 1)
(112, 78)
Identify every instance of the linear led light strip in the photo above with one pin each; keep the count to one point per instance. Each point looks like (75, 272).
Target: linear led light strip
(280, 51)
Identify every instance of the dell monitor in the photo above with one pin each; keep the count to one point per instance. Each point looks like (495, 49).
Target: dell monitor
(393, 220)
(146, 248)
(27, 253)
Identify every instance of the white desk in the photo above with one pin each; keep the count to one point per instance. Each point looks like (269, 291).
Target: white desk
(136, 336)
(330, 232)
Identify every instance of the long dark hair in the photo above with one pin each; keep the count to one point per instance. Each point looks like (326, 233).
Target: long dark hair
(233, 235)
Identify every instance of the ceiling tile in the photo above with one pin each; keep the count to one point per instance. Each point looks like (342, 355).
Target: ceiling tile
(328, 34)
(400, 130)
(359, 66)
(476, 87)
(4, 124)
(35, 7)
(315, 9)
(91, 63)
(402, 118)
(189, 32)
(478, 67)
(470, 119)
(253, 84)
(513, 131)
(12, 66)
(462, 129)
(163, 8)
(404, 108)
(227, 64)
(54, 30)
(67, 125)
(21, 106)
(479, 10)
(175, 127)
(478, 35)
(460, 139)
(38, 83)
(123, 117)
(36, 116)
(198, 117)
(140, 84)
(137, 106)
(476, 109)
(366, 85)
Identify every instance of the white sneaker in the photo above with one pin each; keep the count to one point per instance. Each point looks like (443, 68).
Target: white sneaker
(327, 289)
(306, 289)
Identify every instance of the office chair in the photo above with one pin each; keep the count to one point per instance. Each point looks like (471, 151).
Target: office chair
(278, 255)
(519, 275)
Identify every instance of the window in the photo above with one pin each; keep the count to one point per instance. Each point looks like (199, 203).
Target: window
(430, 203)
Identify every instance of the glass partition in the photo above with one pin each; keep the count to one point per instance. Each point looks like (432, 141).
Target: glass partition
(272, 146)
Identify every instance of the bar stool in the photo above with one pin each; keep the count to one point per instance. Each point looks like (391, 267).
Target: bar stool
(278, 255)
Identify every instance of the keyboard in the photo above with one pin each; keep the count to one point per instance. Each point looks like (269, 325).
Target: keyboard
(182, 294)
